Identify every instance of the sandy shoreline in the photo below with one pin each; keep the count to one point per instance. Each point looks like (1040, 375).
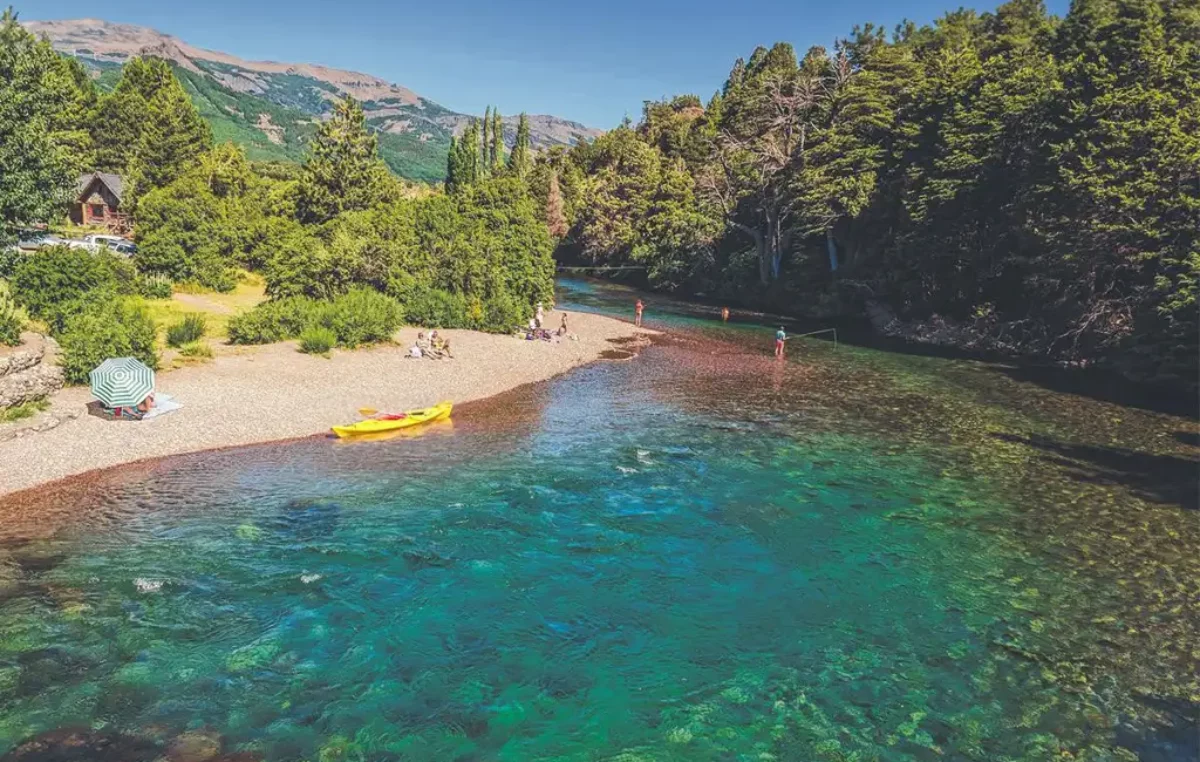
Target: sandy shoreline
(261, 394)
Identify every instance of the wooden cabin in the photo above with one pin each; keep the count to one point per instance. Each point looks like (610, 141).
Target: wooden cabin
(98, 202)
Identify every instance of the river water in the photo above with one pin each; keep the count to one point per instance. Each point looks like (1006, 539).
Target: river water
(697, 554)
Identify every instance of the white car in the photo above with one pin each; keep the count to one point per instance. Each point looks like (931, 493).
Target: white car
(114, 243)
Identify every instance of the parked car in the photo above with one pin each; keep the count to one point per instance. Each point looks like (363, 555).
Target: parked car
(115, 243)
(35, 241)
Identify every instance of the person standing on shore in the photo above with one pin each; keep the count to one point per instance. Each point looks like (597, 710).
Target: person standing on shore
(780, 339)
(637, 313)
(540, 317)
(725, 314)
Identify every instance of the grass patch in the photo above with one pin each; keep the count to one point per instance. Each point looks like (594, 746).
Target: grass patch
(26, 410)
(196, 350)
(216, 308)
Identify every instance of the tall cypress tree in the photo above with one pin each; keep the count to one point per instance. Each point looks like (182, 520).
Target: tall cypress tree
(520, 161)
(497, 147)
(486, 142)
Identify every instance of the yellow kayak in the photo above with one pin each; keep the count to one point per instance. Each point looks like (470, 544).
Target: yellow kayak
(411, 418)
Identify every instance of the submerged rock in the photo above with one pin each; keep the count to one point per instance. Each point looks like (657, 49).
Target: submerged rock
(195, 746)
(83, 745)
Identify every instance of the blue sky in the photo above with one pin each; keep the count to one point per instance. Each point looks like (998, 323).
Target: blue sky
(592, 62)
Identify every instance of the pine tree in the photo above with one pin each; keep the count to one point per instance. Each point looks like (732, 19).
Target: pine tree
(172, 136)
(343, 171)
(556, 219)
(497, 148)
(520, 161)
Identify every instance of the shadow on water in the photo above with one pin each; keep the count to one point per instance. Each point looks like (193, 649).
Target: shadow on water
(1158, 478)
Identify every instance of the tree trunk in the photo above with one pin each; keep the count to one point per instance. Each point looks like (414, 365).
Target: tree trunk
(831, 245)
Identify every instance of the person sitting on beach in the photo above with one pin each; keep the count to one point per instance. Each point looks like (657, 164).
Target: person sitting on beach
(415, 352)
(423, 342)
(146, 405)
(562, 327)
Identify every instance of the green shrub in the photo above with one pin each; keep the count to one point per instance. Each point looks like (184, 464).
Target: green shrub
(155, 287)
(187, 330)
(435, 308)
(9, 259)
(502, 313)
(317, 340)
(196, 349)
(362, 316)
(45, 281)
(24, 410)
(274, 320)
(10, 322)
(106, 328)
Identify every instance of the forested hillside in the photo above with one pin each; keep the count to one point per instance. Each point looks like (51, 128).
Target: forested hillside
(270, 108)
(1035, 180)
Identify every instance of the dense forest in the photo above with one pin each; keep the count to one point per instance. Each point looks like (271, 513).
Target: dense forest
(1033, 180)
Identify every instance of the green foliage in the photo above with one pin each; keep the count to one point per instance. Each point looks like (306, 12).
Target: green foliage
(48, 282)
(436, 308)
(362, 316)
(43, 137)
(106, 328)
(317, 340)
(219, 214)
(464, 164)
(148, 129)
(274, 320)
(520, 161)
(155, 287)
(23, 411)
(190, 328)
(11, 322)
(197, 350)
(343, 171)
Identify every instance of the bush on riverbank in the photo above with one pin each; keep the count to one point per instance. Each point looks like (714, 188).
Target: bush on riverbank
(105, 328)
(10, 322)
(360, 316)
(187, 330)
(317, 340)
(53, 281)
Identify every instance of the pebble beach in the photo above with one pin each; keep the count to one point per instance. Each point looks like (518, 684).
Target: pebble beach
(249, 395)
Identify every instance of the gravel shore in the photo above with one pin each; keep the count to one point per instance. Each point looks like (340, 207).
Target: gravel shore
(261, 394)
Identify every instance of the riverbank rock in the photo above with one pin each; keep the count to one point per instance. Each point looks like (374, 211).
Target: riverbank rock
(25, 355)
(30, 371)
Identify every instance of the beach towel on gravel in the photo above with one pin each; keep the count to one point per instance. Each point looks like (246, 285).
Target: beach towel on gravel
(163, 404)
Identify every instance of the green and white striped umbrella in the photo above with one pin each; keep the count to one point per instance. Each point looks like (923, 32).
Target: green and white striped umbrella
(121, 382)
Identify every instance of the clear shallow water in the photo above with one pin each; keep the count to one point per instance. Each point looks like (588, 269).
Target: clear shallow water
(699, 554)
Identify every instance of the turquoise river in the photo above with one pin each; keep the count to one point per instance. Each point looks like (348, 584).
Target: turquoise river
(695, 554)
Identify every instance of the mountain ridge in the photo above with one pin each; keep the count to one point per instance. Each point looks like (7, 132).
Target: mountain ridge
(270, 106)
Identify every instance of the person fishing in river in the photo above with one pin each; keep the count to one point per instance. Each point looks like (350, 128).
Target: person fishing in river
(781, 338)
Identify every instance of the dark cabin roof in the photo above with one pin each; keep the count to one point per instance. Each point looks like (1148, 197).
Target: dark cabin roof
(114, 183)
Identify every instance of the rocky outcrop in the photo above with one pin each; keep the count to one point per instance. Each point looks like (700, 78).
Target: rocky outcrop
(29, 372)
(29, 353)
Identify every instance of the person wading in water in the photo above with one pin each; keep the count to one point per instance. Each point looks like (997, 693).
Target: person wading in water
(725, 314)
